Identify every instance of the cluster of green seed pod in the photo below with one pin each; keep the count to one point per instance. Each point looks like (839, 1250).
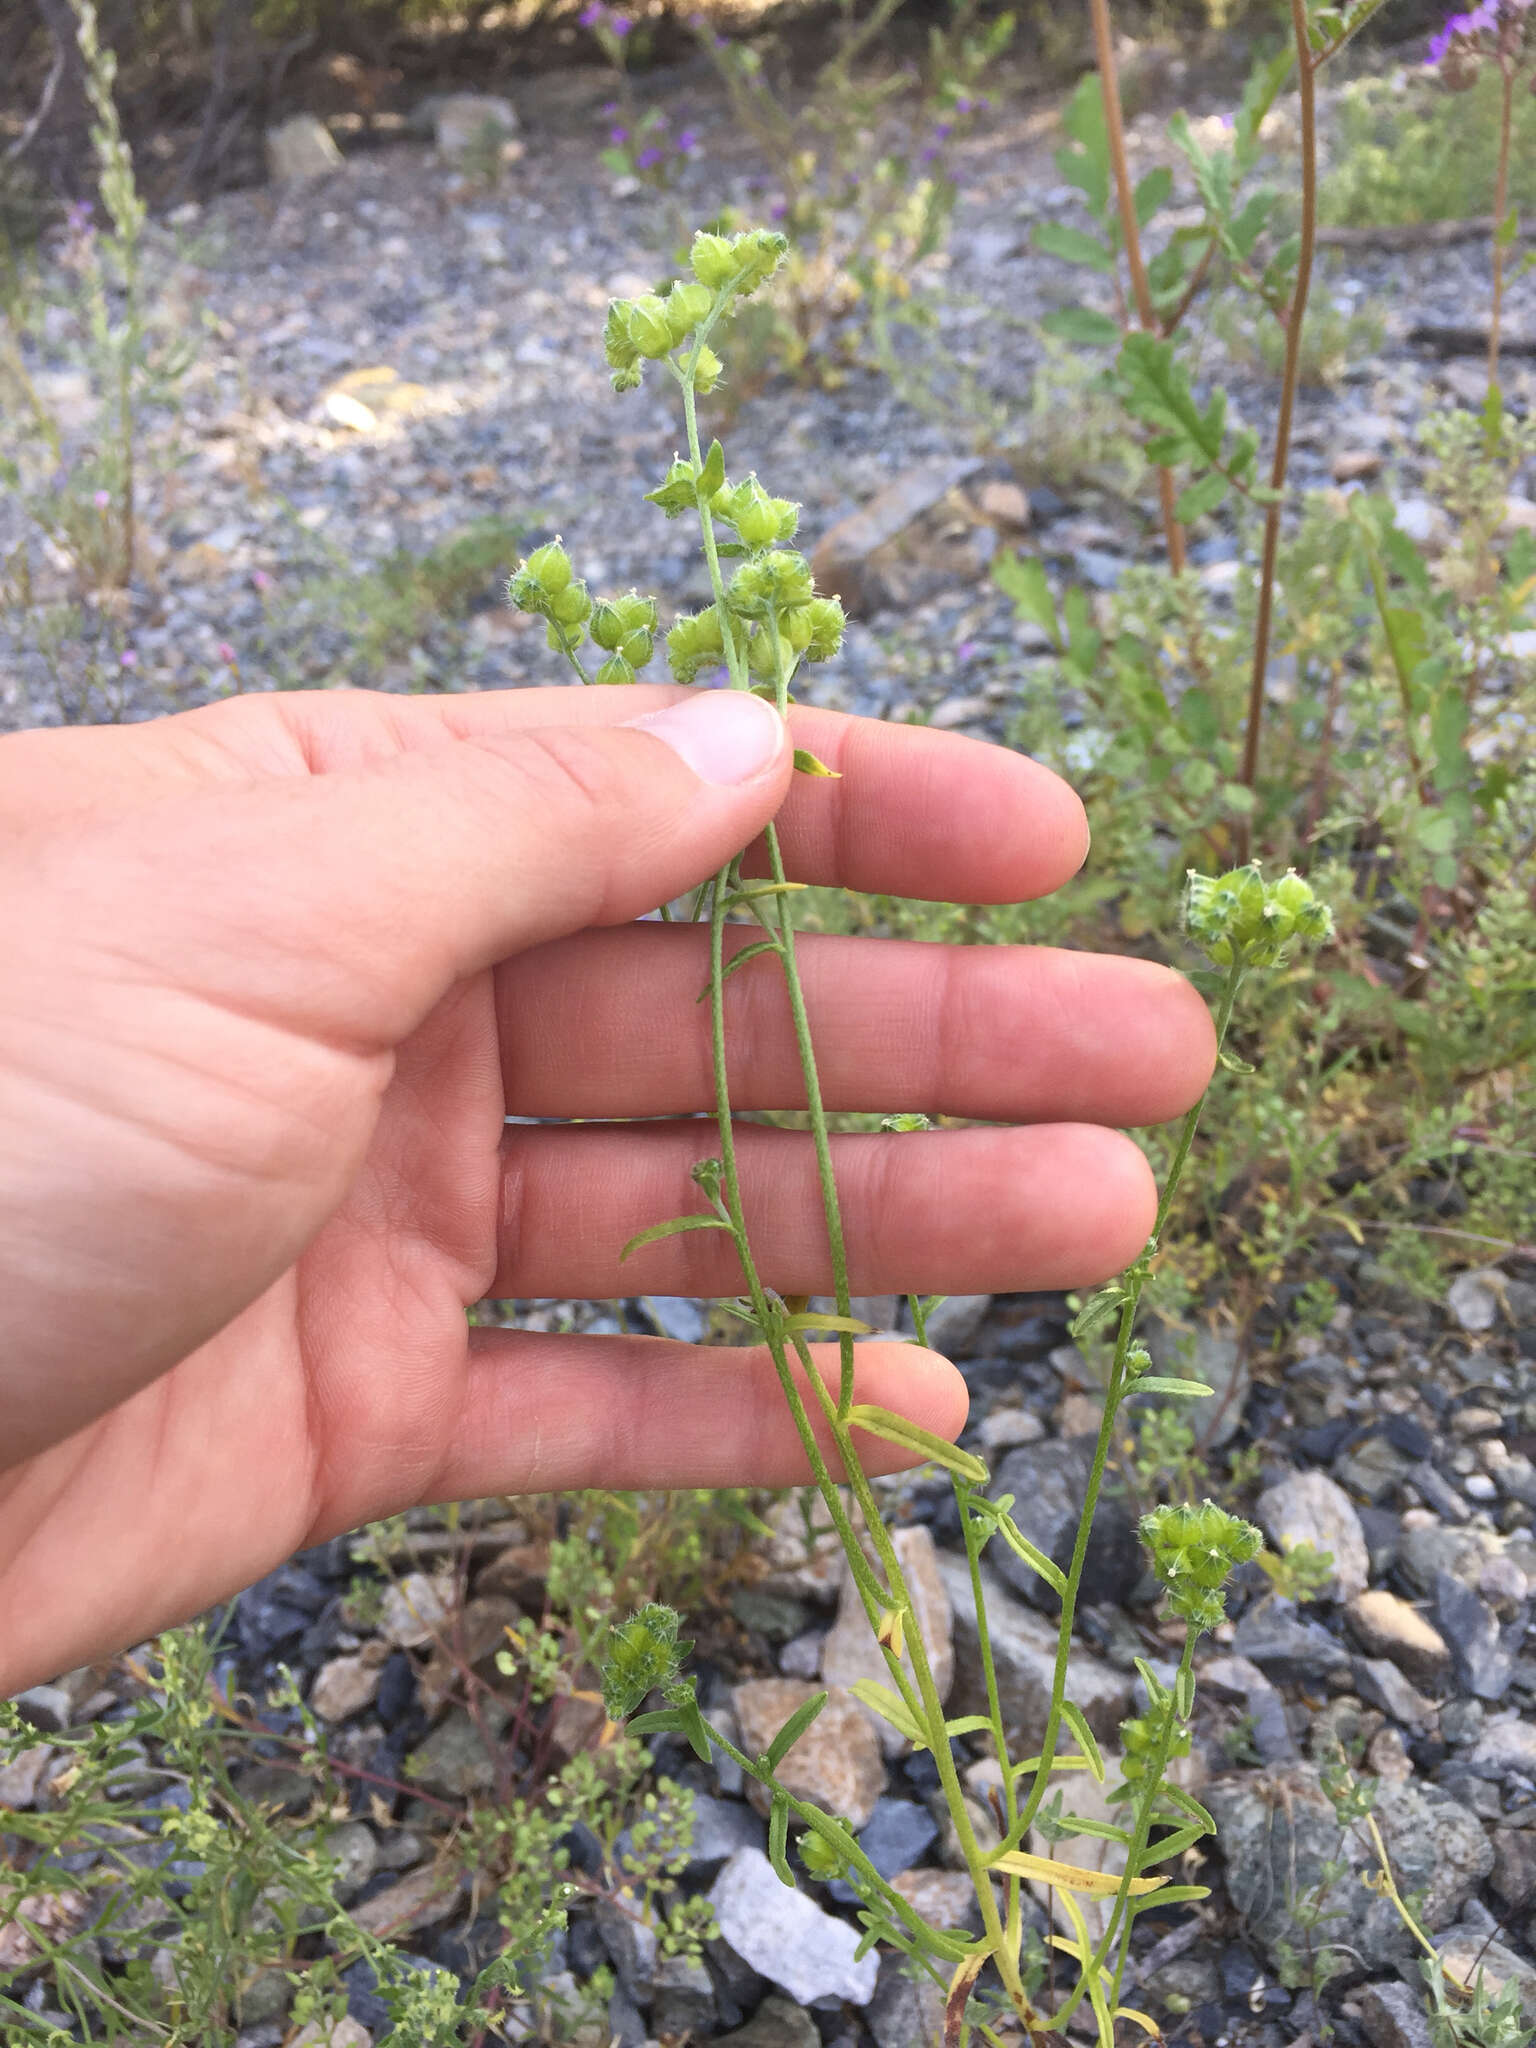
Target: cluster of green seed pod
(648, 328)
(1194, 1552)
(1239, 917)
(547, 586)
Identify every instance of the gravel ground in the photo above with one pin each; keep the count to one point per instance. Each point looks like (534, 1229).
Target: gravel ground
(1400, 1437)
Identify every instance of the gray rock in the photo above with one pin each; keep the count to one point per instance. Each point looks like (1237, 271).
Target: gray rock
(465, 121)
(907, 2011)
(684, 2001)
(1279, 1834)
(1005, 1429)
(900, 1833)
(1484, 1666)
(1240, 1678)
(1215, 1358)
(1281, 1644)
(301, 148)
(1505, 1747)
(844, 559)
(1473, 1301)
(421, 1898)
(1048, 1482)
(630, 1943)
(677, 1317)
(1393, 2016)
(22, 1778)
(354, 1850)
(786, 1937)
(1024, 1652)
(453, 1759)
(801, 1655)
(955, 1324)
(346, 1685)
(720, 1828)
(1514, 1866)
(48, 1707)
(1380, 1684)
(1309, 1507)
(777, 2023)
(1425, 1553)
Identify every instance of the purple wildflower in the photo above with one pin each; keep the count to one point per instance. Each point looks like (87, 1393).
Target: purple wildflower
(128, 658)
(648, 159)
(966, 651)
(617, 136)
(260, 580)
(686, 140)
(101, 500)
(78, 218)
(620, 25)
(591, 14)
(224, 651)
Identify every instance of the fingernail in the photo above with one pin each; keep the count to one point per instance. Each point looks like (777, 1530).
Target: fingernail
(724, 736)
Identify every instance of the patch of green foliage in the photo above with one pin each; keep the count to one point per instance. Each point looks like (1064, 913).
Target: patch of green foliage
(1403, 149)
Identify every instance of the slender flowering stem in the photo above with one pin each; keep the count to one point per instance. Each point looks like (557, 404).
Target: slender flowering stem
(1500, 210)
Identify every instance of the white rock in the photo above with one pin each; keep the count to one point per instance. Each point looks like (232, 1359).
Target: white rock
(786, 1937)
(301, 148)
(1473, 1302)
(1309, 1507)
(465, 121)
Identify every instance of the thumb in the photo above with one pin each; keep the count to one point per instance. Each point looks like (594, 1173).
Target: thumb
(447, 857)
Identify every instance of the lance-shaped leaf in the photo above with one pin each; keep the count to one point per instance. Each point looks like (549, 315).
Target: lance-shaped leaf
(1072, 245)
(778, 1840)
(845, 1326)
(890, 1707)
(896, 1429)
(808, 764)
(673, 1227)
(1032, 1555)
(1073, 1716)
(1068, 1877)
(752, 952)
(792, 1731)
(1179, 1390)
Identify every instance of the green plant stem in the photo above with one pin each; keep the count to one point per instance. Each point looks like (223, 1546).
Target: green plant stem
(1400, 671)
(1114, 1394)
(1130, 234)
(1146, 1808)
(994, 1703)
(1295, 321)
(1500, 209)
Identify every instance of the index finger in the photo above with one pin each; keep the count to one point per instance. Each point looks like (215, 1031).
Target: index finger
(914, 813)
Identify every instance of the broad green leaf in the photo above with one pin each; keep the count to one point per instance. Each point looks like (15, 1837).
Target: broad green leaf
(1087, 166)
(1022, 578)
(1198, 718)
(896, 1429)
(1073, 1716)
(712, 476)
(673, 1227)
(1072, 245)
(1082, 326)
(1202, 496)
(1152, 192)
(792, 1730)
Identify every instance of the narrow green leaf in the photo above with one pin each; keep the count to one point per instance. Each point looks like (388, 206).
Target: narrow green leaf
(1073, 1716)
(808, 764)
(673, 1227)
(668, 1721)
(1170, 1845)
(1187, 1803)
(792, 1730)
(1233, 1064)
(1034, 1557)
(712, 476)
(752, 952)
(968, 1724)
(847, 1326)
(696, 1730)
(1171, 1895)
(1180, 1390)
(778, 1840)
(1100, 1830)
(896, 1429)
(890, 1707)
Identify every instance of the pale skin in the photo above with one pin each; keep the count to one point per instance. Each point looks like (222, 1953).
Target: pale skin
(276, 972)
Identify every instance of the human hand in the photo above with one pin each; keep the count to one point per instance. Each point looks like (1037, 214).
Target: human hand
(276, 972)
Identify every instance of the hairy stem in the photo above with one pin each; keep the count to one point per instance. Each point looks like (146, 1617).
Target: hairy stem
(1295, 321)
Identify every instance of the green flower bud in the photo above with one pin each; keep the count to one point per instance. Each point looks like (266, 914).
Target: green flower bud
(637, 649)
(549, 567)
(760, 520)
(1241, 917)
(649, 329)
(571, 606)
(768, 653)
(637, 613)
(678, 490)
(758, 254)
(639, 1655)
(693, 643)
(687, 305)
(779, 581)
(607, 627)
(712, 260)
(826, 619)
(707, 371)
(1194, 1549)
(618, 346)
(615, 670)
